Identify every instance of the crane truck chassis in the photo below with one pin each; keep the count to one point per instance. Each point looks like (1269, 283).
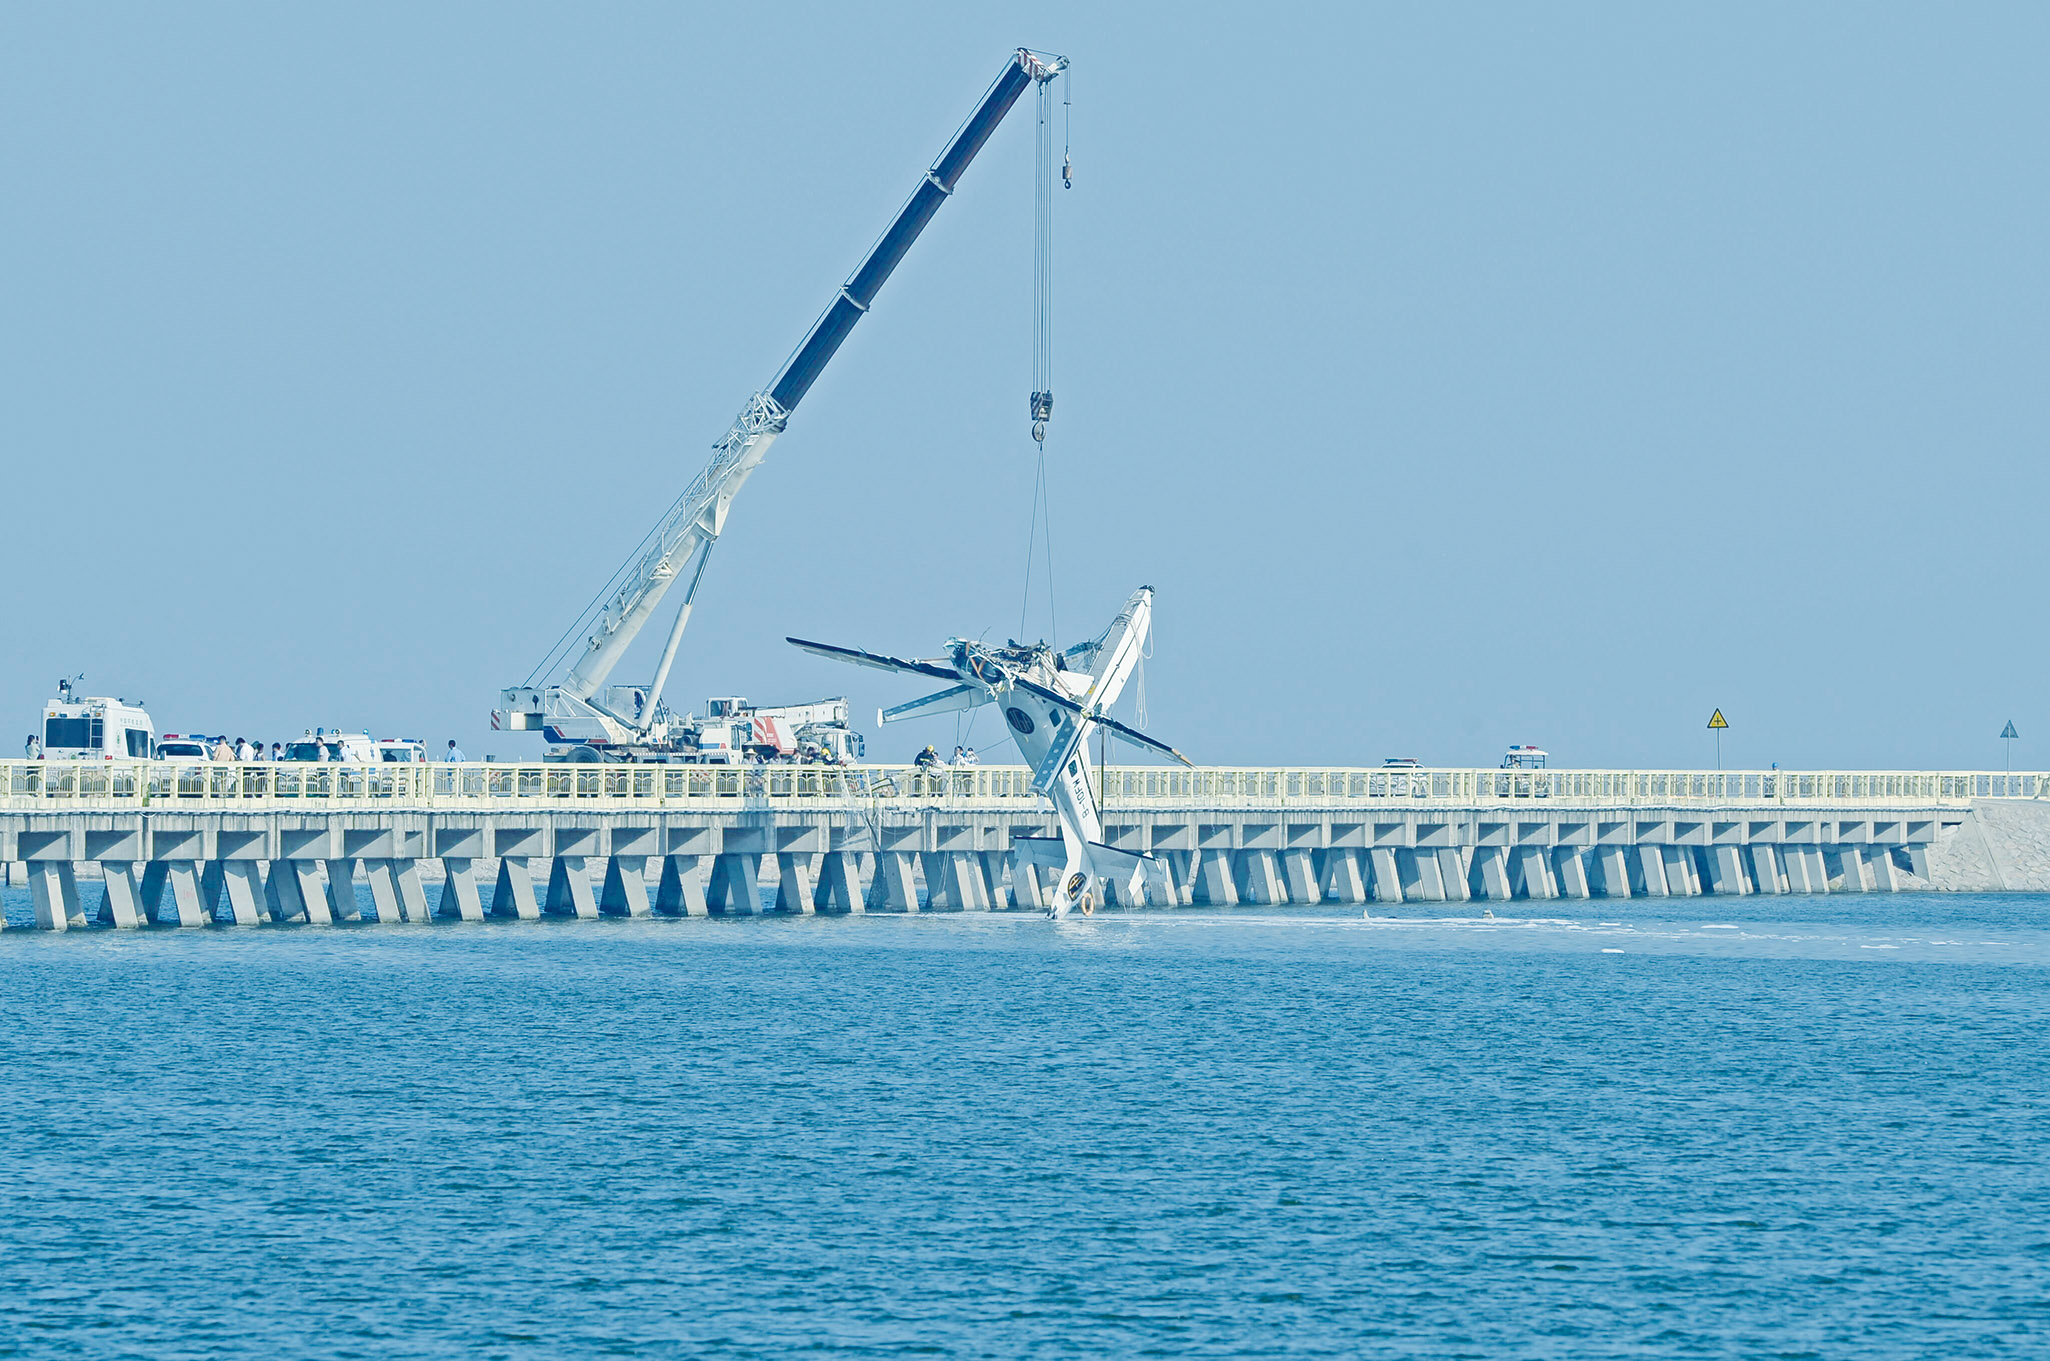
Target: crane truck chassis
(589, 719)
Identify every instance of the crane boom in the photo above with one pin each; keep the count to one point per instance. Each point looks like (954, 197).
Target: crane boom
(576, 710)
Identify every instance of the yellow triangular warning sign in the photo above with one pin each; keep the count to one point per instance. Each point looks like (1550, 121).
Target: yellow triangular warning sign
(1716, 720)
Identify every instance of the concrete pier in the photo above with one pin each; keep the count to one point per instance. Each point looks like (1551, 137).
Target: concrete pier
(257, 844)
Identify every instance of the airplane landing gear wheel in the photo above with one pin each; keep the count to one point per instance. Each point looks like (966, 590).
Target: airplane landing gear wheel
(1088, 904)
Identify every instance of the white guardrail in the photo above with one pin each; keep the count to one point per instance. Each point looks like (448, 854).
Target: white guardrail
(47, 786)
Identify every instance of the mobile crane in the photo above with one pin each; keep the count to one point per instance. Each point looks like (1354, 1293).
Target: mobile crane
(591, 720)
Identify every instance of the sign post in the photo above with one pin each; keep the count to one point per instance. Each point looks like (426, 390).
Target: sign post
(1717, 724)
(2007, 735)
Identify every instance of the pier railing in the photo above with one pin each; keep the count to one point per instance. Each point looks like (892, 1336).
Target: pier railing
(29, 786)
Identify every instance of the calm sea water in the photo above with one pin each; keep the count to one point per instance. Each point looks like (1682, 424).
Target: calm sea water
(1760, 1127)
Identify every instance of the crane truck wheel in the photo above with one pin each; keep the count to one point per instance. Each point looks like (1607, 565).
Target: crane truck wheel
(585, 756)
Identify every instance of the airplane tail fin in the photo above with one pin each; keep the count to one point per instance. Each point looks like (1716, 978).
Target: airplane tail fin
(1134, 872)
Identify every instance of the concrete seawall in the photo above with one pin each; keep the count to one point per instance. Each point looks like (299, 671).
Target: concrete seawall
(2002, 846)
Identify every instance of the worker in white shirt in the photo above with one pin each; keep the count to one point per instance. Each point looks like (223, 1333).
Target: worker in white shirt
(455, 753)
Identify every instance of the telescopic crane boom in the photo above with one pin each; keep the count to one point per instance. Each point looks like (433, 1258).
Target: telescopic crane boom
(583, 708)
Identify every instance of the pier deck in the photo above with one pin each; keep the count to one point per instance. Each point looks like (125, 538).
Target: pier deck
(192, 843)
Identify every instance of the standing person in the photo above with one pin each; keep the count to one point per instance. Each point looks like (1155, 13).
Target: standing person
(33, 748)
(969, 758)
(454, 753)
(243, 751)
(277, 751)
(222, 752)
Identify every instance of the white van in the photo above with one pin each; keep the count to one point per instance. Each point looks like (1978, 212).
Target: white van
(354, 747)
(95, 729)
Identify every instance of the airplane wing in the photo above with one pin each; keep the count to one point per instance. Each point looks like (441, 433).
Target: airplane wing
(1132, 735)
(1139, 739)
(875, 660)
(945, 702)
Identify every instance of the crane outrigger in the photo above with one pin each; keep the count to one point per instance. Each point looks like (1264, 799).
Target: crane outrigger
(602, 721)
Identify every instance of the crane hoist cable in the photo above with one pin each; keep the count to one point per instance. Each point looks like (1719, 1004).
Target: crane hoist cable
(1040, 529)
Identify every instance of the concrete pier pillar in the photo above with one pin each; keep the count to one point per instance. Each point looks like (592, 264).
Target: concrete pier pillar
(1530, 873)
(295, 885)
(1765, 869)
(1455, 873)
(893, 889)
(1918, 860)
(1214, 884)
(275, 904)
(569, 889)
(1651, 865)
(839, 888)
(513, 895)
(1569, 868)
(341, 891)
(53, 887)
(245, 891)
(795, 883)
(1681, 881)
(183, 878)
(1879, 865)
(1611, 872)
(459, 897)
(155, 875)
(1181, 867)
(1849, 868)
(211, 882)
(1726, 871)
(993, 880)
(1387, 885)
(384, 892)
(1491, 868)
(964, 878)
(412, 893)
(122, 907)
(1341, 880)
(1299, 876)
(735, 889)
(681, 890)
(1159, 886)
(1027, 894)
(1422, 881)
(625, 890)
(1257, 878)
(300, 891)
(1814, 870)
(939, 889)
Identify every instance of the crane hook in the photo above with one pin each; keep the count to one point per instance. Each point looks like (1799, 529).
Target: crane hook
(1067, 172)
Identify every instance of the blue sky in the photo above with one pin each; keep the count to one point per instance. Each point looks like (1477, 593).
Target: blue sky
(1459, 376)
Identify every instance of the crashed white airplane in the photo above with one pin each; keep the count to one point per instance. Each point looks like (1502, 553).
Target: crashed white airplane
(1052, 701)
